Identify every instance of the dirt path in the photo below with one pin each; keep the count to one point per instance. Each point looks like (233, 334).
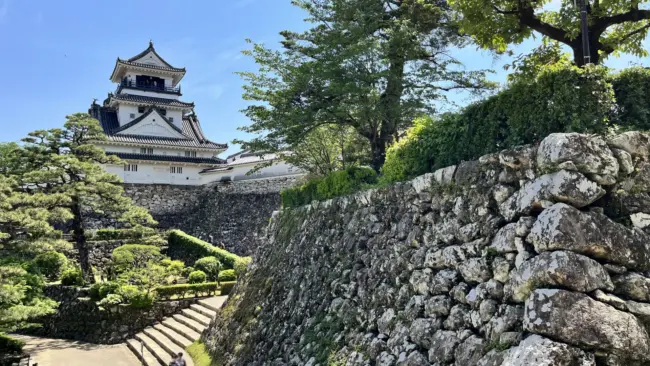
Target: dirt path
(63, 352)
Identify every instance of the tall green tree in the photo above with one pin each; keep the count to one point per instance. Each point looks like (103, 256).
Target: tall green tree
(65, 162)
(372, 65)
(614, 26)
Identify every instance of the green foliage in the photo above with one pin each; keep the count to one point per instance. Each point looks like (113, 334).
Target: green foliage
(227, 275)
(181, 290)
(184, 246)
(10, 345)
(49, 264)
(62, 168)
(174, 267)
(200, 355)
(72, 277)
(21, 298)
(613, 27)
(241, 264)
(138, 232)
(560, 99)
(100, 291)
(632, 90)
(135, 297)
(333, 185)
(210, 266)
(111, 300)
(371, 71)
(130, 256)
(197, 277)
(226, 287)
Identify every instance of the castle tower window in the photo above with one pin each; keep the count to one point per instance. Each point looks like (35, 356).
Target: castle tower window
(176, 169)
(163, 112)
(171, 119)
(141, 109)
(130, 167)
(132, 115)
(190, 154)
(146, 150)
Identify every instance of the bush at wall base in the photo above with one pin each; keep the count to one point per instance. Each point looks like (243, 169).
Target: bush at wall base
(72, 277)
(10, 345)
(182, 290)
(226, 287)
(189, 249)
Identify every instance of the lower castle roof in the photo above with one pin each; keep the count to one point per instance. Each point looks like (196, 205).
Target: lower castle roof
(190, 127)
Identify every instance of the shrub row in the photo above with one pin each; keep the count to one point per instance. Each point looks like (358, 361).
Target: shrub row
(190, 249)
(558, 99)
(227, 275)
(333, 185)
(138, 232)
(181, 290)
(10, 345)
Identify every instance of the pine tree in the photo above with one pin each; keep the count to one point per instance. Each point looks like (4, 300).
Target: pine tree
(66, 163)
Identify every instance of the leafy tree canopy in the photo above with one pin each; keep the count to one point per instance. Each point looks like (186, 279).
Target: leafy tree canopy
(615, 26)
(370, 65)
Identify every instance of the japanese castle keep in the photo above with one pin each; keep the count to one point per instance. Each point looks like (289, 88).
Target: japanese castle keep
(159, 136)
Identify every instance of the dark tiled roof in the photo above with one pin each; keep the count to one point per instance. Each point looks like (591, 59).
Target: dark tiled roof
(148, 66)
(191, 129)
(153, 50)
(151, 100)
(179, 159)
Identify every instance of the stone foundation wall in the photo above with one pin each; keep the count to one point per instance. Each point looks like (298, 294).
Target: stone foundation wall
(80, 318)
(538, 255)
(231, 214)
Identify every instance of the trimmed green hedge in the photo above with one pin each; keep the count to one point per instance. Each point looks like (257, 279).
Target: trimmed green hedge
(181, 290)
(632, 91)
(189, 249)
(138, 232)
(72, 277)
(227, 275)
(333, 185)
(10, 345)
(226, 287)
(559, 99)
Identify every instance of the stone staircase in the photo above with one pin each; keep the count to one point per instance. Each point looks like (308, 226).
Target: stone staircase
(156, 345)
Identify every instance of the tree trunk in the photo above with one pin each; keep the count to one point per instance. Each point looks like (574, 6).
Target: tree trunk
(578, 52)
(390, 106)
(79, 236)
(377, 152)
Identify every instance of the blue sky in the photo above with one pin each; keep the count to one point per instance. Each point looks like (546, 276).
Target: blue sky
(56, 56)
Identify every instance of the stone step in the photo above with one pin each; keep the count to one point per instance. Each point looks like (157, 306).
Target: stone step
(181, 329)
(159, 353)
(189, 322)
(196, 316)
(162, 340)
(145, 356)
(208, 304)
(179, 339)
(203, 310)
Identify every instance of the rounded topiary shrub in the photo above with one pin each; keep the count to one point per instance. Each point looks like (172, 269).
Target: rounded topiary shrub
(197, 277)
(241, 264)
(210, 265)
(100, 291)
(49, 264)
(72, 277)
(227, 275)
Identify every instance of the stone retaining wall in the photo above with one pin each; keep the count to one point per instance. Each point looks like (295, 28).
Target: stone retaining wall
(221, 213)
(538, 255)
(80, 318)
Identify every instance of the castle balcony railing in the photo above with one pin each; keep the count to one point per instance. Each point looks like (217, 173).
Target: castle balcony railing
(148, 87)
